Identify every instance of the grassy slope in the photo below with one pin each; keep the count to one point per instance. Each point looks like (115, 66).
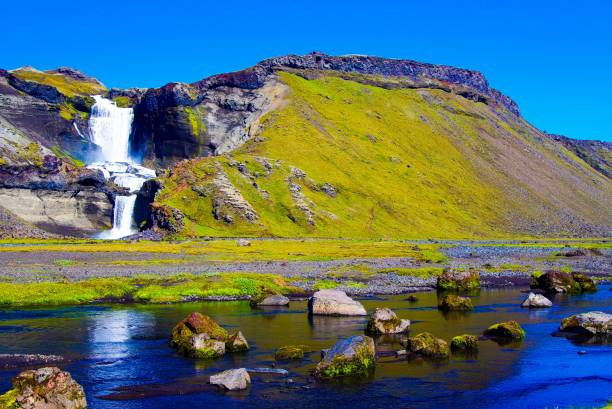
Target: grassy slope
(406, 163)
(63, 83)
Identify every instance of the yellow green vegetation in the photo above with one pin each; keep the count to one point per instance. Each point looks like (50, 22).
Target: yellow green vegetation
(402, 163)
(9, 399)
(510, 330)
(67, 157)
(123, 101)
(65, 84)
(288, 352)
(228, 250)
(146, 289)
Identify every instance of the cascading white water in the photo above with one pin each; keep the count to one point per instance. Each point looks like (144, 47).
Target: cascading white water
(110, 128)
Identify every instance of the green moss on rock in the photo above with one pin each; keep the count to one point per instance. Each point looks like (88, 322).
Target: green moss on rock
(453, 280)
(427, 345)
(510, 330)
(452, 302)
(195, 324)
(289, 352)
(464, 343)
(354, 356)
(585, 282)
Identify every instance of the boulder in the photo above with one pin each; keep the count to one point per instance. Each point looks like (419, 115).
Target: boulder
(44, 388)
(454, 280)
(536, 301)
(184, 337)
(232, 379)
(354, 356)
(237, 343)
(555, 282)
(506, 331)
(594, 322)
(288, 352)
(334, 302)
(455, 303)
(270, 300)
(464, 343)
(585, 282)
(427, 345)
(384, 321)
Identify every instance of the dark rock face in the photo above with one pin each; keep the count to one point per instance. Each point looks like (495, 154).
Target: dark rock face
(598, 154)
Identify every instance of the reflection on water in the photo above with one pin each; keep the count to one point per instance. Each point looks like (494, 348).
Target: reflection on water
(114, 347)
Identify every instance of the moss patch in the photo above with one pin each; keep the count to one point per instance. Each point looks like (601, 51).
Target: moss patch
(511, 331)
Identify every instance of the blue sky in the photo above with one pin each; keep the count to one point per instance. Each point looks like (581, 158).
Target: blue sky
(553, 57)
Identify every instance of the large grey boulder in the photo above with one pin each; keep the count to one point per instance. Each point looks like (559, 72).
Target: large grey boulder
(46, 388)
(536, 301)
(334, 302)
(354, 356)
(594, 322)
(232, 379)
(385, 321)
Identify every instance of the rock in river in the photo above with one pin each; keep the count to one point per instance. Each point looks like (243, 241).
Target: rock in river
(464, 343)
(270, 300)
(199, 336)
(354, 356)
(506, 331)
(44, 388)
(562, 282)
(384, 321)
(288, 352)
(594, 322)
(232, 379)
(455, 303)
(237, 343)
(536, 301)
(427, 345)
(454, 280)
(334, 302)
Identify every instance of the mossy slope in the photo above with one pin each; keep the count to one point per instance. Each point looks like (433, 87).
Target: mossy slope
(400, 163)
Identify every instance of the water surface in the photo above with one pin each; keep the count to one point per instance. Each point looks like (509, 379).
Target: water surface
(115, 348)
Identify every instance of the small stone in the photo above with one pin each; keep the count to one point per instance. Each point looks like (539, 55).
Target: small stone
(454, 280)
(271, 300)
(237, 343)
(455, 303)
(385, 321)
(232, 379)
(464, 343)
(400, 353)
(427, 345)
(581, 352)
(243, 243)
(510, 331)
(536, 301)
(290, 352)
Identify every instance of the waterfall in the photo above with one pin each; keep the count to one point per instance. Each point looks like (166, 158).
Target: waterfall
(110, 127)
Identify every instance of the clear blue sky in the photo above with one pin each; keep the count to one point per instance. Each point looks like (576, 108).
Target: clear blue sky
(553, 57)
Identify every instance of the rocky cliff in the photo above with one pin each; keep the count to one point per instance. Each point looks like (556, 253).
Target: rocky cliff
(316, 145)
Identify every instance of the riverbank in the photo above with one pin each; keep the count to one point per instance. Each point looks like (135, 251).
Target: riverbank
(35, 273)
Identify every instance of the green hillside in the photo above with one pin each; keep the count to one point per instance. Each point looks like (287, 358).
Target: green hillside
(342, 158)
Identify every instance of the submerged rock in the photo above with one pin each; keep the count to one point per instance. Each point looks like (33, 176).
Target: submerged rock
(354, 356)
(427, 345)
(385, 321)
(44, 388)
(270, 300)
(536, 301)
(464, 343)
(237, 343)
(562, 282)
(334, 302)
(288, 352)
(453, 280)
(594, 322)
(199, 336)
(455, 303)
(232, 379)
(506, 331)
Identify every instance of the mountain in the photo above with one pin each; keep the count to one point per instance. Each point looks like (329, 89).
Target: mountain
(324, 146)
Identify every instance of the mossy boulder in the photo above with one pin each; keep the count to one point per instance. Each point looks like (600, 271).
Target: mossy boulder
(585, 282)
(455, 280)
(289, 352)
(46, 388)
(354, 356)
(192, 334)
(236, 342)
(427, 345)
(385, 321)
(506, 331)
(452, 302)
(266, 299)
(555, 282)
(464, 343)
(594, 323)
